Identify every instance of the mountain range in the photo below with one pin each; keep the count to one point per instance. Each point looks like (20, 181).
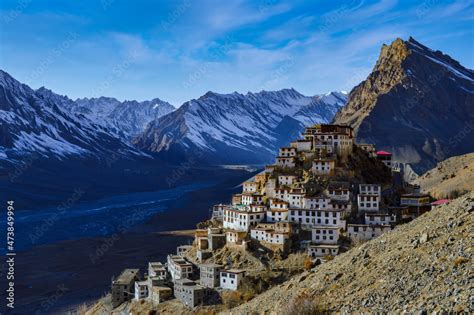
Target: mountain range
(38, 122)
(249, 128)
(238, 128)
(417, 103)
(127, 118)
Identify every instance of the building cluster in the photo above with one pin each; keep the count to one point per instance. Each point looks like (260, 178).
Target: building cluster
(306, 201)
(192, 284)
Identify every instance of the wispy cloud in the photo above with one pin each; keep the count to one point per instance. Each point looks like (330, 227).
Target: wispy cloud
(223, 46)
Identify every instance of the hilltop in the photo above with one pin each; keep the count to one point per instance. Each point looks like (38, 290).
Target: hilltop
(450, 177)
(420, 266)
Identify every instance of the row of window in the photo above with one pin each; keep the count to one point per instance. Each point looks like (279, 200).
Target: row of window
(312, 213)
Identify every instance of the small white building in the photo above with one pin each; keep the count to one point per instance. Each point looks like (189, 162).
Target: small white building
(295, 198)
(380, 218)
(370, 189)
(242, 219)
(325, 235)
(282, 194)
(273, 233)
(317, 202)
(369, 203)
(323, 166)
(181, 250)
(366, 232)
(250, 187)
(286, 162)
(141, 290)
(302, 145)
(286, 180)
(235, 237)
(231, 279)
(251, 198)
(218, 211)
(179, 267)
(320, 251)
(156, 269)
(277, 215)
(287, 152)
(341, 205)
(339, 191)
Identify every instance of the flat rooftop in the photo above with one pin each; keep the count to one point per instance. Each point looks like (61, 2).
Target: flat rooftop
(127, 276)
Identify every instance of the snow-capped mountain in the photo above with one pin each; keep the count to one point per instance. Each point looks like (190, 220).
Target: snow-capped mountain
(38, 122)
(417, 103)
(127, 118)
(237, 128)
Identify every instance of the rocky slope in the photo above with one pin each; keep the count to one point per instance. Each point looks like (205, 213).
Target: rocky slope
(416, 102)
(449, 177)
(237, 128)
(425, 265)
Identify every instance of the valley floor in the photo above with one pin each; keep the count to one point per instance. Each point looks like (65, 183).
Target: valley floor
(60, 276)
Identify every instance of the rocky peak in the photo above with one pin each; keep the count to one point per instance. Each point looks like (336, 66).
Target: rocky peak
(413, 103)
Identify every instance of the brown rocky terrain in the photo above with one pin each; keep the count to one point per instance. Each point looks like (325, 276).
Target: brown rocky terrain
(425, 265)
(450, 177)
(416, 103)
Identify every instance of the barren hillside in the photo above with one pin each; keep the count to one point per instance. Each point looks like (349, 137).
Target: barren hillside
(453, 175)
(425, 265)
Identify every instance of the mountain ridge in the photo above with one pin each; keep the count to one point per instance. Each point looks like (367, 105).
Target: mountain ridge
(414, 103)
(230, 128)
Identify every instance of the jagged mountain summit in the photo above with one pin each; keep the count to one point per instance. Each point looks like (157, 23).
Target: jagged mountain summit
(127, 118)
(38, 122)
(416, 102)
(237, 128)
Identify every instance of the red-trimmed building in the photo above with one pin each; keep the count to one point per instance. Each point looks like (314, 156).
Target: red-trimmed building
(385, 157)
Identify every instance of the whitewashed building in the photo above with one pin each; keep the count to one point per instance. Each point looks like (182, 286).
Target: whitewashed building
(380, 218)
(309, 218)
(179, 267)
(235, 237)
(302, 145)
(286, 180)
(218, 211)
(369, 203)
(286, 162)
(231, 279)
(370, 189)
(316, 202)
(321, 251)
(273, 233)
(368, 198)
(325, 235)
(250, 187)
(366, 232)
(156, 269)
(282, 194)
(141, 290)
(323, 166)
(242, 219)
(287, 152)
(295, 198)
(339, 191)
(251, 198)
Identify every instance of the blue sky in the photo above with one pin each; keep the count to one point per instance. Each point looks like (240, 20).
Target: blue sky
(179, 50)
